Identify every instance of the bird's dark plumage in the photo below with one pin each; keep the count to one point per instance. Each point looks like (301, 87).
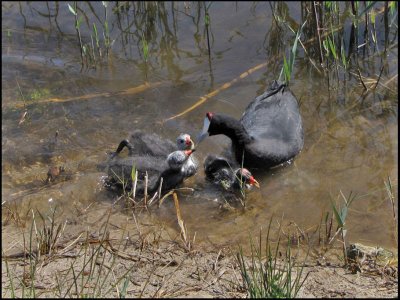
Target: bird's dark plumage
(270, 131)
(152, 154)
(228, 174)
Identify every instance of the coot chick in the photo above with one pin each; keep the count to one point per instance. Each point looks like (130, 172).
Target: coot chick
(172, 170)
(152, 145)
(269, 133)
(182, 159)
(141, 143)
(228, 174)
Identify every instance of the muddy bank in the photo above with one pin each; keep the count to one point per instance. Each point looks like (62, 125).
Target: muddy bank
(118, 255)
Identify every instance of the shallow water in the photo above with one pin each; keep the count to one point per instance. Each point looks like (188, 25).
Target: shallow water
(351, 139)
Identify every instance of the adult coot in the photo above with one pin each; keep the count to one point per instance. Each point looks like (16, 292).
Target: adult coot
(270, 131)
(173, 170)
(228, 174)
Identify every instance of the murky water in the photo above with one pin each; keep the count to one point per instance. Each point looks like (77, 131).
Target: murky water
(351, 142)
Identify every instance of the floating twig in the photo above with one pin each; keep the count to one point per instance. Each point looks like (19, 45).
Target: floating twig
(218, 90)
(129, 91)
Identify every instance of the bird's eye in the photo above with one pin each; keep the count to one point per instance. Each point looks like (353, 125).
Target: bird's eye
(181, 141)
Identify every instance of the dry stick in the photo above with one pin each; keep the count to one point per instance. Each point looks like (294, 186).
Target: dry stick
(216, 260)
(147, 281)
(382, 84)
(159, 189)
(137, 225)
(70, 245)
(359, 74)
(165, 196)
(152, 198)
(178, 214)
(129, 91)
(146, 178)
(344, 247)
(379, 78)
(173, 272)
(311, 60)
(391, 198)
(218, 90)
(390, 80)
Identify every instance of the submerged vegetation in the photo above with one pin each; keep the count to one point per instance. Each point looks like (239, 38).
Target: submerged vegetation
(329, 47)
(341, 41)
(323, 34)
(88, 50)
(337, 40)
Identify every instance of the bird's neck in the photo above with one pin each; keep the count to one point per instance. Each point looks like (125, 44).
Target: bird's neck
(234, 130)
(239, 137)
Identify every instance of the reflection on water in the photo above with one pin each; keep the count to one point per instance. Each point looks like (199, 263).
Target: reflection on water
(350, 136)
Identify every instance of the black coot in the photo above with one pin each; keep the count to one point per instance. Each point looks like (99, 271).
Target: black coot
(228, 174)
(269, 133)
(173, 170)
